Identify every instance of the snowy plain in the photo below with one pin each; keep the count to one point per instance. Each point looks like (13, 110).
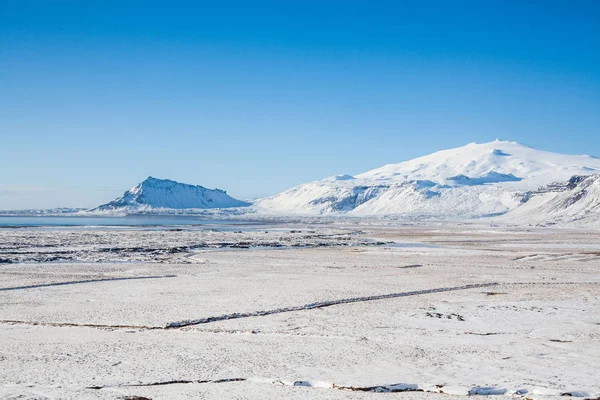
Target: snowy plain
(343, 310)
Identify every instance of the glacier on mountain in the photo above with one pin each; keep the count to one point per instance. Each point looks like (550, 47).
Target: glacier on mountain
(475, 180)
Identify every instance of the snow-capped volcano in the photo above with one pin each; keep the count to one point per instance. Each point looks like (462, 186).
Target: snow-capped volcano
(155, 193)
(469, 181)
(491, 160)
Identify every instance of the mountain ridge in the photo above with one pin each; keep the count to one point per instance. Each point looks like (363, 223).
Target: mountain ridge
(165, 193)
(475, 180)
(494, 179)
(576, 201)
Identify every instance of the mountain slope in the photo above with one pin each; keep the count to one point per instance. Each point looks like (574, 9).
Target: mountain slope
(164, 193)
(575, 201)
(477, 160)
(470, 181)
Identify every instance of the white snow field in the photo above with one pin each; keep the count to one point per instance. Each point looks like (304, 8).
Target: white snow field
(471, 181)
(437, 311)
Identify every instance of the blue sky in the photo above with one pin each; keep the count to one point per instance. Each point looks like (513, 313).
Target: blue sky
(256, 97)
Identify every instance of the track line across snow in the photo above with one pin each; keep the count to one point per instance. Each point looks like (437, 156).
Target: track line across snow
(207, 320)
(85, 281)
(321, 304)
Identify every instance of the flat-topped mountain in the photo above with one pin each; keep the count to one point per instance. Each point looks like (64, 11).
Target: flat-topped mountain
(155, 193)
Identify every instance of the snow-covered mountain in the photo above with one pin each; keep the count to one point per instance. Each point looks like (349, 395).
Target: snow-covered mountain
(576, 201)
(164, 193)
(470, 181)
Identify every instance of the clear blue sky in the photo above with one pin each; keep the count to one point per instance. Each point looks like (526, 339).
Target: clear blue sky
(255, 97)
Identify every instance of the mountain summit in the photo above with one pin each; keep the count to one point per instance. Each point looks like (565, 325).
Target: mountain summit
(164, 193)
(491, 160)
(479, 179)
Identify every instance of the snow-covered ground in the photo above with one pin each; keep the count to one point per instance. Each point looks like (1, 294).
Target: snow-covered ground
(448, 310)
(172, 245)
